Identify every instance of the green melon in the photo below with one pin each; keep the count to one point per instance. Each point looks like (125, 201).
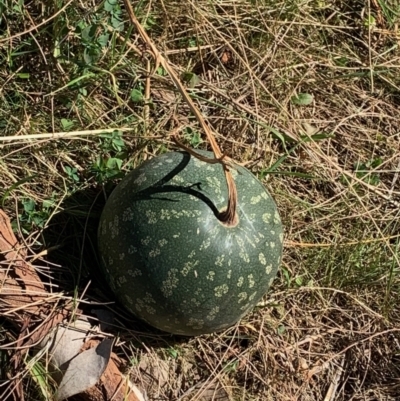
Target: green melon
(171, 261)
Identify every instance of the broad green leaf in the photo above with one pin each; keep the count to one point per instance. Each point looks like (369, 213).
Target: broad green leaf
(136, 95)
(66, 124)
(102, 40)
(302, 99)
(109, 5)
(89, 33)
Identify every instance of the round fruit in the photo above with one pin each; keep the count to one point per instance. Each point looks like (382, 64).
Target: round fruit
(169, 258)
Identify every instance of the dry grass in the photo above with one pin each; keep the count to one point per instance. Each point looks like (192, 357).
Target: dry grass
(329, 327)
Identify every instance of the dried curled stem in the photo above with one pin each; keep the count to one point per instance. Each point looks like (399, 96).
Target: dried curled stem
(227, 217)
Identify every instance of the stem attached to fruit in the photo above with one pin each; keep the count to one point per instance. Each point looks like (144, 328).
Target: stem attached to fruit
(227, 217)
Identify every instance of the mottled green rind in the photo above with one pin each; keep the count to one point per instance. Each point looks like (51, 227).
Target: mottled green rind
(171, 262)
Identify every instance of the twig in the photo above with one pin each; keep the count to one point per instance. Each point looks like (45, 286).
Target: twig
(61, 135)
(229, 215)
(330, 395)
(146, 108)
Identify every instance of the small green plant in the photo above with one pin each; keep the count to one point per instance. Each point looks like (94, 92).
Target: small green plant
(66, 124)
(112, 142)
(104, 168)
(35, 215)
(72, 173)
(108, 165)
(231, 366)
(136, 94)
(369, 21)
(113, 8)
(302, 99)
(173, 352)
(193, 137)
(364, 171)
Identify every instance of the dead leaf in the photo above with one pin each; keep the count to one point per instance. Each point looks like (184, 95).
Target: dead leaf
(85, 370)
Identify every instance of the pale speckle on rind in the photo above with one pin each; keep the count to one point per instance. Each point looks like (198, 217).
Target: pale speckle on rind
(242, 250)
(146, 241)
(251, 280)
(170, 283)
(242, 297)
(198, 163)
(121, 256)
(148, 298)
(271, 280)
(132, 249)
(162, 242)
(205, 244)
(179, 179)
(234, 173)
(134, 272)
(228, 276)
(140, 179)
(214, 183)
(240, 281)
(213, 313)
(141, 304)
(251, 297)
(277, 218)
(196, 324)
(272, 244)
(210, 276)
(151, 217)
(281, 237)
(250, 241)
(220, 260)
(103, 228)
(129, 299)
(194, 198)
(114, 227)
(195, 302)
(244, 256)
(124, 183)
(167, 214)
(127, 214)
(188, 266)
(268, 269)
(154, 252)
(262, 259)
(266, 217)
(221, 290)
(240, 242)
(255, 199)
